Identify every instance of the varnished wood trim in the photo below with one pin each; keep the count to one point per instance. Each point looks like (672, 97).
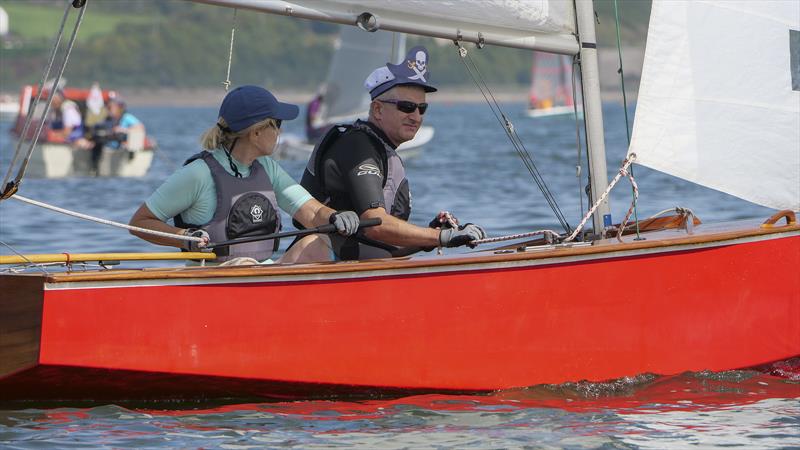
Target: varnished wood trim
(84, 257)
(716, 235)
(21, 299)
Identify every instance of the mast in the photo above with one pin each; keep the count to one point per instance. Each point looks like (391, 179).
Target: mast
(398, 47)
(592, 109)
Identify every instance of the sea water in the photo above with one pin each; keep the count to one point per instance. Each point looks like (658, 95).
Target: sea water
(471, 169)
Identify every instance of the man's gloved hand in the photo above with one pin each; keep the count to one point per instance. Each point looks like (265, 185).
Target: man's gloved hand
(346, 222)
(463, 235)
(194, 246)
(444, 220)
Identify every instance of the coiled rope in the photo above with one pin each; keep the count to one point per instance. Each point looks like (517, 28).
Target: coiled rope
(10, 187)
(105, 221)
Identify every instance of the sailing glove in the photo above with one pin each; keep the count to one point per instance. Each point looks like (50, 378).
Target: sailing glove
(346, 222)
(194, 246)
(463, 235)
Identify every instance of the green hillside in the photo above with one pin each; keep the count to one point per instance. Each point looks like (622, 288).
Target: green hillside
(33, 22)
(170, 43)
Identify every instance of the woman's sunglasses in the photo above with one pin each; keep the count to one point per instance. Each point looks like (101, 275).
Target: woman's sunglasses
(406, 106)
(277, 123)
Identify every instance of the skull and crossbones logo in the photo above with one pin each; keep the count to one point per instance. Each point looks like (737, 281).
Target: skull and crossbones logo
(419, 66)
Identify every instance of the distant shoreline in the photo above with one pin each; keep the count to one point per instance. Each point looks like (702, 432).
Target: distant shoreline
(213, 97)
(165, 97)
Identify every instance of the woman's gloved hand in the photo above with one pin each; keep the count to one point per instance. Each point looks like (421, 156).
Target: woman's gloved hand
(195, 246)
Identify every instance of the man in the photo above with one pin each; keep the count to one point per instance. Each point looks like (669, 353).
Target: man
(356, 167)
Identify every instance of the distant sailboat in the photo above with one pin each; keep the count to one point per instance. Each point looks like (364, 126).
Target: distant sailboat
(551, 86)
(342, 99)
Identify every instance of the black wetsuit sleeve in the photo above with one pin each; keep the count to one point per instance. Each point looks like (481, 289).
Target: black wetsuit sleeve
(354, 173)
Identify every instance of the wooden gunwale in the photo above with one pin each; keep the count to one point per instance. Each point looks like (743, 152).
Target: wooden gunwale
(666, 239)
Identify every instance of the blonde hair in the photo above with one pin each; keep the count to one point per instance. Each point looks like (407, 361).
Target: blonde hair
(220, 136)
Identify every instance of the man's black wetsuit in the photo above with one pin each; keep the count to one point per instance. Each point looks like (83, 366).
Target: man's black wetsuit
(356, 168)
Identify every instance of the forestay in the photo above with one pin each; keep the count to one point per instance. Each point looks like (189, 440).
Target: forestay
(547, 25)
(719, 101)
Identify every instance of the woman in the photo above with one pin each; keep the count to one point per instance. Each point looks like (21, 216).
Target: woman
(234, 189)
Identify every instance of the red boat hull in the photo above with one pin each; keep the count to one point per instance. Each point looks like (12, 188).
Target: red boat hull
(472, 327)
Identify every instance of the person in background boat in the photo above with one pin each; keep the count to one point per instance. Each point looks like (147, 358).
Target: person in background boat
(109, 127)
(313, 129)
(122, 122)
(96, 110)
(356, 167)
(66, 124)
(234, 189)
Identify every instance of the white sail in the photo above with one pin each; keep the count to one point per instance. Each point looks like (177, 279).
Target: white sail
(547, 25)
(719, 101)
(357, 53)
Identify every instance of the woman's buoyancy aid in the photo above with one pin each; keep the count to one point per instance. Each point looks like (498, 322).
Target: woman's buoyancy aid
(245, 207)
(396, 192)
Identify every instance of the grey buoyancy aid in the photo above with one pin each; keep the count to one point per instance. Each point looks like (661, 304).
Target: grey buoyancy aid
(396, 191)
(245, 207)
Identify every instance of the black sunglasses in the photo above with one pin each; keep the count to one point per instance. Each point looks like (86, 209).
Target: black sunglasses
(406, 106)
(278, 123)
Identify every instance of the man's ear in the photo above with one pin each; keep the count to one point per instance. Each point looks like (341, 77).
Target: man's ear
(377, 109)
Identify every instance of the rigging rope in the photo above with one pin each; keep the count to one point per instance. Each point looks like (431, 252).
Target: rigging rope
(227, 82)
(8, 186)
(512, 237)
(578, 166)
(105, 221)
(623, 171)
(621, 72)
(25, 258)
(508, 127)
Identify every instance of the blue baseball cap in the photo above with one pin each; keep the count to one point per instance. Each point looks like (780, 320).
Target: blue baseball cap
(247, 105)
(412, 71)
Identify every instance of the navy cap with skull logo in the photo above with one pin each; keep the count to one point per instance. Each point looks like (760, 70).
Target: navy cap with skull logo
(414, 70)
